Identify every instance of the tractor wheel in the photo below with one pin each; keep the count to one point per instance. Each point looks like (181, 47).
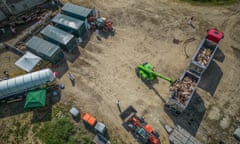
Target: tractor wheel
(137, 72)
(145, 63)
(148, 82)
(156, 133)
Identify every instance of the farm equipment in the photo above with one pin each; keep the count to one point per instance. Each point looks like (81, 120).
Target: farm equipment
(206, 51)
(100, 23)
(147, 74)
(140, 129)
(181, 92)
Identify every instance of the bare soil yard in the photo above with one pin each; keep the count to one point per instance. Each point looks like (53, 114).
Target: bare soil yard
(147, 31)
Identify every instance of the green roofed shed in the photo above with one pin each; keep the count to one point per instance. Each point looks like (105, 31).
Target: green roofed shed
(45, 49)
(76, 11)
(69, 24)
(59, 37)
(35, 99)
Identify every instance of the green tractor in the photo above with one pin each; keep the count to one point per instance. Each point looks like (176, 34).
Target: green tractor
(147, 74)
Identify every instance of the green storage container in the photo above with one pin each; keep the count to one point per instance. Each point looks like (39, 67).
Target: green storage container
(45, 49)
(69, 24)
(64, 40)
(76, 11)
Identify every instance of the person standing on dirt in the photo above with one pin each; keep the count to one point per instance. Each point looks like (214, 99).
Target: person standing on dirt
(13, 28)
(190, 21)
(118, 105)
(71, 77)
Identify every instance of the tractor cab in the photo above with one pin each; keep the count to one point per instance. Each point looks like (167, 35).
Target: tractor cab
(147, 74)
(214, 35)
(142, 72)
(141, 134)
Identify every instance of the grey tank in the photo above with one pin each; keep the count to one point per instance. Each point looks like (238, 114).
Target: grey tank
(24, 83)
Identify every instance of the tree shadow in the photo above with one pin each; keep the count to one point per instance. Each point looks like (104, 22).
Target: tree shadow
(219, 55)
(106, 35)
(191, 118)
(150, 86)
(157, 93)
(211, 78)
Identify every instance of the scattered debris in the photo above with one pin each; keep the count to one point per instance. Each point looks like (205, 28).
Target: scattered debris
(176, 41)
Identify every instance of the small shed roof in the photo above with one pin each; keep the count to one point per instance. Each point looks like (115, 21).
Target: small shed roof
(68, 21)
(57, 34)
(42, 46)
(76, 9)
(28, 61)
(36, 99)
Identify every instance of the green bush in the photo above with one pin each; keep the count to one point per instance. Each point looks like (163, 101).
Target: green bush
(60, 131)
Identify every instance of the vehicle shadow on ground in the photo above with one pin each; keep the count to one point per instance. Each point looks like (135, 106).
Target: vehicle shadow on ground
(191, 118)
(106, 35)
(219, 55)
(157, 93)
(211, 78)
(151, 87)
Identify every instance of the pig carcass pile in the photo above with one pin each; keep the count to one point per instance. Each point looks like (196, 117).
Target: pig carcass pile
(204, 56)
(183, 89)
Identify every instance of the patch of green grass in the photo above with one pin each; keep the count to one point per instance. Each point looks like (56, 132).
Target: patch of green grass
(58, 131)
(19, 131)
(212, 2)
(87, 140)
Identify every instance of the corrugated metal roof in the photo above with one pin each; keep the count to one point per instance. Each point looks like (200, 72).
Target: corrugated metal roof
(181, 136)
(28, 61)
(68, 21)
(42, 46)
(76, 9)
(57, 34)
(25, 82)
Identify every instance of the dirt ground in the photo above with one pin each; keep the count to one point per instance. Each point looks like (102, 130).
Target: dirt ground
(144, 32)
